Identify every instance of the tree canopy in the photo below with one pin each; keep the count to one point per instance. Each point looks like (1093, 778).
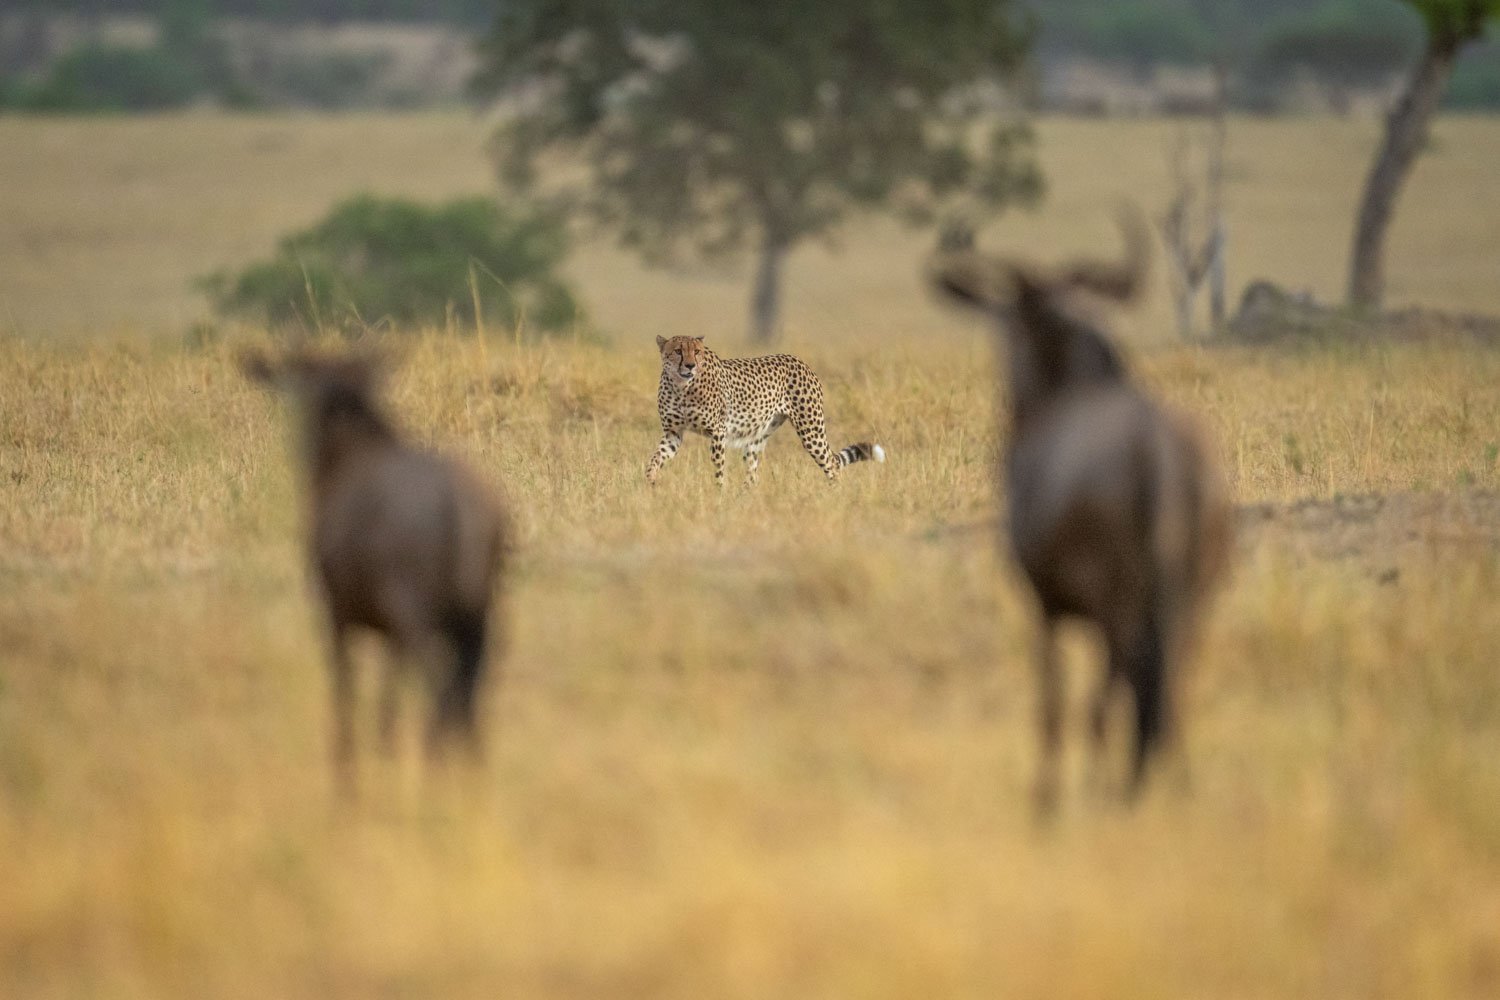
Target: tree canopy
(707, 126)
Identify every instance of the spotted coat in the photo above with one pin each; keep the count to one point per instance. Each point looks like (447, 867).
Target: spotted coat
(739, 403)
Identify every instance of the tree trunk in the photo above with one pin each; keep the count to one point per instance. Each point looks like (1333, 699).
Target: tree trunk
(1218, 235)
(1217, 282)
(1405, 133)
(1182, 301)
(765, 301)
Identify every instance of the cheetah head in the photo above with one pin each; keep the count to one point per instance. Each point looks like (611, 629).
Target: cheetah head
(680, 356)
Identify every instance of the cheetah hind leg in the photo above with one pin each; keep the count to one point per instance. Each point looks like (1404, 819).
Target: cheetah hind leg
(814, 435)
(755, 448)
(813, 432)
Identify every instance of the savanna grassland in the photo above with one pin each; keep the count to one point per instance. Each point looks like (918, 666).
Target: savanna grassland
(746, 744)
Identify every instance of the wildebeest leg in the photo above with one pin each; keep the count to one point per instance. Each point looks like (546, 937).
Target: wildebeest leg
(341, 677)
(1109, 683)
(1180, 643)
(1148, 681)
(455, 712)
(1049, 719)
(396, 663)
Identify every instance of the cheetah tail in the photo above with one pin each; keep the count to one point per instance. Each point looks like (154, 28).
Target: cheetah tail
(862, 452)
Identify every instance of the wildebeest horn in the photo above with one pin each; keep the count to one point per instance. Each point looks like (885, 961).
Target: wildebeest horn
(974, 278)
(1120, 280)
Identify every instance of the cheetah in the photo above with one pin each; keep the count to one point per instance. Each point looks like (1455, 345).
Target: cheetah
(739, 403)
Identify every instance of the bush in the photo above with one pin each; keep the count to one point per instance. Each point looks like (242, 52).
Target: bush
(375, 260)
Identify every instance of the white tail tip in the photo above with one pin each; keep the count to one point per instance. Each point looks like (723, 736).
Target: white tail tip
(879, 453)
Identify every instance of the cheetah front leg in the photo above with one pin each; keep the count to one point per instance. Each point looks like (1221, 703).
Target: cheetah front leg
(716, 449)
(671, 440)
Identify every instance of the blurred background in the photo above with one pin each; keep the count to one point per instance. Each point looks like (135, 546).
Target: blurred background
(205, 162)
(1090, 56)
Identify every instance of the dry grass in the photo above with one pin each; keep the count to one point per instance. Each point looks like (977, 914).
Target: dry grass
(766, 744)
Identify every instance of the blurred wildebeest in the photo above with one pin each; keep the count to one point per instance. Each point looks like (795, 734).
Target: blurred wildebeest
(404, 542)
(1117, 513)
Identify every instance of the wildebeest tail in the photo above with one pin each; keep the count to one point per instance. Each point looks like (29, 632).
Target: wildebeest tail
(863, 452)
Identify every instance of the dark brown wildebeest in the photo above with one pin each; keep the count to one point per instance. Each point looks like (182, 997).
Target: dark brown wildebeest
(1117, 513)
(404, 542)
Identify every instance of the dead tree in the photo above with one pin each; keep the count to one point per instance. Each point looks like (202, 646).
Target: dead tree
(1193, 227)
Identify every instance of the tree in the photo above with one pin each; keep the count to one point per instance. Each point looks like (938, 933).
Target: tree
(1193, 227)
(707, 126)
(1450, 24)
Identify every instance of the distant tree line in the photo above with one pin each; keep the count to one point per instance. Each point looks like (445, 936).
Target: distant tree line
(476, 12)
(1344, 44)
(184, 64)
(192, 59)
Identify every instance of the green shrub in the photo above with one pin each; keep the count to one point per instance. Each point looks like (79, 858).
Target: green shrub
(374, 260)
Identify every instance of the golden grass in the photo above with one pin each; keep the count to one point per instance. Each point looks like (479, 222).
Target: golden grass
(747, 744)
(763, 744)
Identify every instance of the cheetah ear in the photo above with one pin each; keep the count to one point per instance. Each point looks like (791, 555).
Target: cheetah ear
(698, 339)
(660, 342)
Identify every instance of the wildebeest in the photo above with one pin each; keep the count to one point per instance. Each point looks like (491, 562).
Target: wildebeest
(1118, 516)
(404, 542)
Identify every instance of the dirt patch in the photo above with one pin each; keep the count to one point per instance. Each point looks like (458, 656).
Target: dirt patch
(1374, 533)
(1377, 533)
